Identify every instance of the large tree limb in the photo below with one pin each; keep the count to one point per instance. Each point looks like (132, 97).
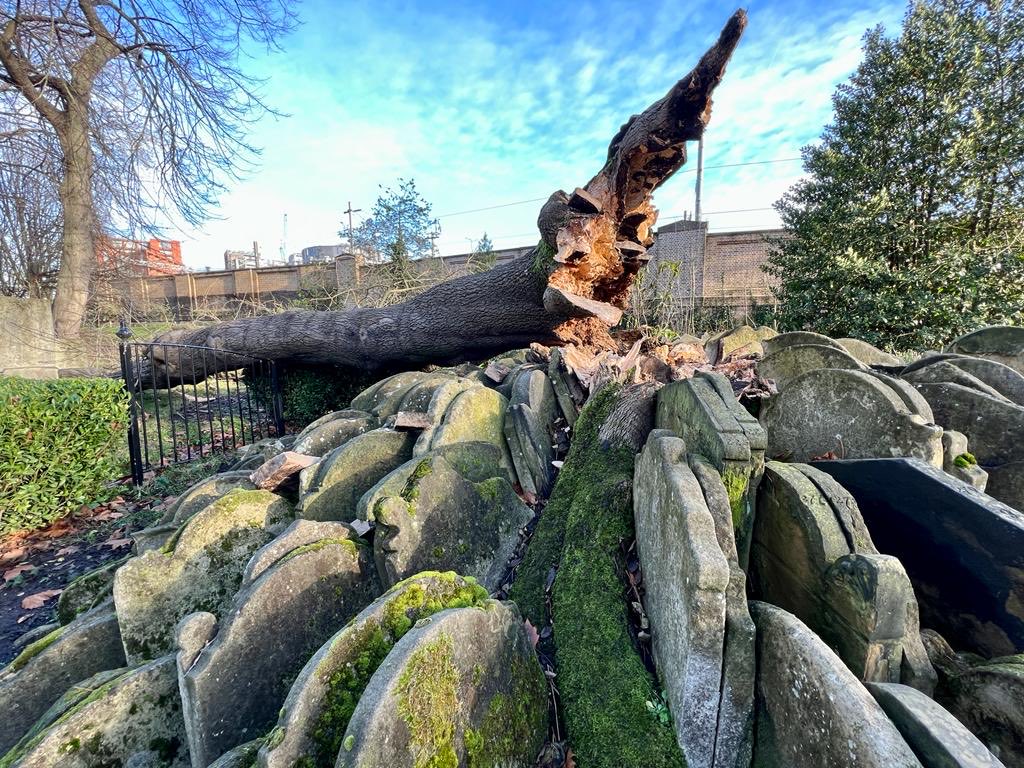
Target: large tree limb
(569, 288)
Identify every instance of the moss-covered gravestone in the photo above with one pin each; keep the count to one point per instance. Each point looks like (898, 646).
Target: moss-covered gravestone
(790, 362)
(316, 713)
(234, 680)
(323, 436)
(46, 668)
(131, 718)
(462, 687)
(476, 414)
(439, 520)
(200, 569)
(529, 431)
(705, 413)
(330, 489)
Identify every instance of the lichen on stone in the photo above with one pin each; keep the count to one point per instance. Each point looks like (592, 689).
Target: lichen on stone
(428, 701)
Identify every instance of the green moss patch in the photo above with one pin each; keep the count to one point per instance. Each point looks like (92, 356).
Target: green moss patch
(603, 682)
(428, 701)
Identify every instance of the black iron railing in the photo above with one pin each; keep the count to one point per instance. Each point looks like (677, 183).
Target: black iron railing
(216, 401)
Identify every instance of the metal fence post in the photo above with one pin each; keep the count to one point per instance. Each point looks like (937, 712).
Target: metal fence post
(276, 399)
(134, 447)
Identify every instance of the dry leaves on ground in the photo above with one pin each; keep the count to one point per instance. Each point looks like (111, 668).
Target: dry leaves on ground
(39, 599)
(12, 573)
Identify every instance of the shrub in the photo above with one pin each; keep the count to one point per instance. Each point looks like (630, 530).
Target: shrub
(59, 445)
(311, 391)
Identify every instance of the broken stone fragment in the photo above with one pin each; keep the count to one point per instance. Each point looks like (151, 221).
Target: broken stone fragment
(275, 472)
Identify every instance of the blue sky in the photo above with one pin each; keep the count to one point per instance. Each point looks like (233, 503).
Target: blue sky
(485, 104)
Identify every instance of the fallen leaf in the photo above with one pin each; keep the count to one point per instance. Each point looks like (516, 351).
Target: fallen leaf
(107, 514)
(12, 555)
(67, 551)
(39, 599)
(531, 633)
(569, 761)
(13, 573)
(117, 543)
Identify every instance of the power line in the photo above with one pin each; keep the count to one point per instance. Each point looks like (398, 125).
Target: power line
(688, 170)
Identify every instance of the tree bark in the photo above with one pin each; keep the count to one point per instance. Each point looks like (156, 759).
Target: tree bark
(78, 252)
(570, 288)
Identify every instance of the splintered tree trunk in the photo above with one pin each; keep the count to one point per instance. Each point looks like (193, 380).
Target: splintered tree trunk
(570, 288)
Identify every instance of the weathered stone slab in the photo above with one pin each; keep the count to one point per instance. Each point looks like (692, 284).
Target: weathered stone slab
(936, 737)
(298, 534)
(867, 353)
(529, 429)
(200, 569)
(735, 733)
(795, 338)
(1002, 378)
(740, 341)
(49, 666)
(946, 372)
(474, 415)
(1002, 343)
(441, 521)
(849, 413)
(316, 712)
(986, 696)
(959, 462)
(203, 493)
(788, 363)
(242, 756)
(1006, 483)
(87, 591)
(812, 556)
(812, 711)
(567, 389)
(993, 425)
(309, 594)
(440, 400)
(912, 399)
(963, 550)
(418, 398)
(384, 398)
(331, 489)
(275, 472)
(132, 719)
(462, 687)
(334, 432)
(705, 413)
(686, 576)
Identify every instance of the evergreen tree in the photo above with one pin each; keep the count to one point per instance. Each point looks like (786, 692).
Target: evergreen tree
(908, 229)
(399, 227)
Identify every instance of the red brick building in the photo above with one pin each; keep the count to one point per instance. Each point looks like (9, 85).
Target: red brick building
(139, 258)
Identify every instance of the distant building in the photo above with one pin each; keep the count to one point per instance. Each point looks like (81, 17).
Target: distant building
(142, 258)
(241, 259)
(321, 254)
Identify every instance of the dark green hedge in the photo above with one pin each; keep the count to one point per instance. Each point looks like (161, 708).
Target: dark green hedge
(60, 444)
(310, 391)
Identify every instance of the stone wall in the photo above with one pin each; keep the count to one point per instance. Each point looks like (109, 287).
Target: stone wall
(29, 346)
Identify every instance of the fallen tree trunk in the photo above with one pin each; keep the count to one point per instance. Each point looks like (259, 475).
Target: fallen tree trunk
(570, 288)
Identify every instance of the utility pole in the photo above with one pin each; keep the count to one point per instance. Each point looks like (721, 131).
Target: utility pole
(700, 178)
(350, 211)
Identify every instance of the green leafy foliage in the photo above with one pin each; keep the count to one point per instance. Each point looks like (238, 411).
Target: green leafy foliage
(309, 392)
(907, 231)
(59, 446)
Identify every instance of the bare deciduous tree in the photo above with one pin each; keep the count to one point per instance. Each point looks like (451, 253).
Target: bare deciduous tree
(144, 98)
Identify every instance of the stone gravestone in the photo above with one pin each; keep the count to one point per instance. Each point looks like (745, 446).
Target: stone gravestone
(234, 684)
(793, 338)
(462, 687)
(850, 414)
(315, 715)
(476, 414)
(936, 736)
(963, 550)
(689, 583)
(705, 413)
(330, 490)
(131, 718)
(993, 425)
(1002, 343)
(867, 353)
(46, 668)
(812, 711)
(200, 569)
(441, 521)
(323, 436)
(529, 428)
(786, 364)
(812, 556)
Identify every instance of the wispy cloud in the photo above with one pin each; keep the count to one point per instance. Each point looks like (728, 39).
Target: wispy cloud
(485, 106)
